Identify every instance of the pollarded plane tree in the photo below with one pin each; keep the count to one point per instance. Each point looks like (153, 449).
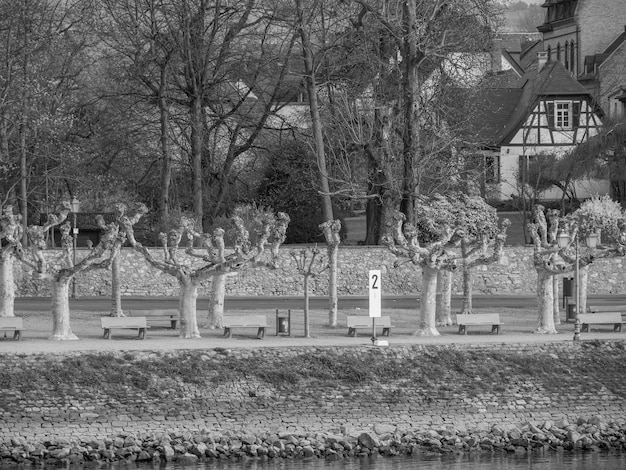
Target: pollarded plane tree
(309, 263)
(428, 244)
(10, 238)
(599, 218)
(61, 270)
(482, 240)
(251, 219)
(211, 257)
(548, 263)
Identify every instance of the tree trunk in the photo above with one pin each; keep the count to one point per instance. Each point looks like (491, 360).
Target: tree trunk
(318, 144)
(427, 319)
(444, 298)
(61, 330)
(410, 98)
(166, 164)
(23, 197)
(7, 286)
(116, 294)
(584, 277)
(333, 255)
(545, 302)
(306, 307)
(556, 308)
(377, 180)
(196, 157)
(188, 300)
(467, 281)
(216, 302)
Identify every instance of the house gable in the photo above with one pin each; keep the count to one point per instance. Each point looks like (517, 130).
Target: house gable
(556, 121)
(554, 109)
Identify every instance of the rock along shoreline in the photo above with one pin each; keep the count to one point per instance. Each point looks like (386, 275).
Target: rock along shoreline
(311, 402)
(593, 435)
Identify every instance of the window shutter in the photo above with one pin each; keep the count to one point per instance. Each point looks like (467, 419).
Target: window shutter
(576, 114)
(550, 111)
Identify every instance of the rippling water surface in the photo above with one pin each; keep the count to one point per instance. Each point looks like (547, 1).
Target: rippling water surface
(587, 461)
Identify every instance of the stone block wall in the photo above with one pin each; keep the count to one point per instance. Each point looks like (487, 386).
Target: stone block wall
(249, 405)
(513, 275)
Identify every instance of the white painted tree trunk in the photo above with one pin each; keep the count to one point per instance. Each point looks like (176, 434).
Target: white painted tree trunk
(307, 333)
(116, 294)
(467, 282)
(333, 257)
(216, 303)
(61, 329)
(545, 300)
(7, 287)
(584, 277)
(428, 304)
(556, 307)
(188, 300)
(444, 298)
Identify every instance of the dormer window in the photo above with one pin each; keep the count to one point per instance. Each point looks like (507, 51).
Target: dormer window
(563, 115)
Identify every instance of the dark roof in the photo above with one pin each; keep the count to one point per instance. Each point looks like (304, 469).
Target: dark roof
(494, 110)
(529, 54)
(554, 79)
(514, 63)
(501, 110)
(518, 43)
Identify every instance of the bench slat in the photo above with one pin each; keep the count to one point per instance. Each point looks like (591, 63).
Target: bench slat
(479, 319)
(170, 315)
(14, 324)
(245, 321)
(600, 318)
(355, 322)
(124, 323)
(607, 308)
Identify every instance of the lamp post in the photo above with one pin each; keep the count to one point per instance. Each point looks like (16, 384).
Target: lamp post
(75, 206)
(591, 241)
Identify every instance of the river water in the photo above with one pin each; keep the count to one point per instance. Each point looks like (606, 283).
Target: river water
(556, 461)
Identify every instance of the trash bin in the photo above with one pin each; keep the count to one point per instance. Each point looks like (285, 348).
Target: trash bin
(568, 287)
(571, 313)
(283, 323)
(568, 290)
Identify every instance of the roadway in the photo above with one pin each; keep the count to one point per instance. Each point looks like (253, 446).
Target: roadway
(95, 304)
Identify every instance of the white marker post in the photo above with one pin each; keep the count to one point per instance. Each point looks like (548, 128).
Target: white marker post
(375, 288)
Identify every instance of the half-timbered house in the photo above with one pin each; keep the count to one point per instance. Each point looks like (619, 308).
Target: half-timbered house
(546, 113)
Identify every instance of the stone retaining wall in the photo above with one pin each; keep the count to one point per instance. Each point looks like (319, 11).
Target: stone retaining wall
(513, 275)
(252, 406)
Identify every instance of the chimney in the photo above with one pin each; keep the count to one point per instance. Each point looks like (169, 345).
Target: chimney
(542, 58)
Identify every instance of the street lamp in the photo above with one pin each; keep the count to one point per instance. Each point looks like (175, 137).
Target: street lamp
(75, 206)
(591, 241)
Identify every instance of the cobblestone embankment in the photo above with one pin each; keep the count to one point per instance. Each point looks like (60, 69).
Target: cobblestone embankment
(331, 402)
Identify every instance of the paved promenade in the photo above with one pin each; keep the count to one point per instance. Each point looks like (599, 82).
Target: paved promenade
(519, 324)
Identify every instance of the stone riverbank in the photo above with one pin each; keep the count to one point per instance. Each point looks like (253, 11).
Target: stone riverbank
(332, 402)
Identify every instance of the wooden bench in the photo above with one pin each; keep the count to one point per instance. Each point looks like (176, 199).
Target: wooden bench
(245, 321)
(14, 324)
(478, 319)
(606, 308)
(124, 323)
(601, 318)
(170, 315)
(356, 322)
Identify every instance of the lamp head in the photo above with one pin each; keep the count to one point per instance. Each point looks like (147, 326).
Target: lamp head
(75, 205)
(562, 239)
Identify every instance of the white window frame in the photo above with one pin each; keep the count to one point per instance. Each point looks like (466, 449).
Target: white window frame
(563, 115)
